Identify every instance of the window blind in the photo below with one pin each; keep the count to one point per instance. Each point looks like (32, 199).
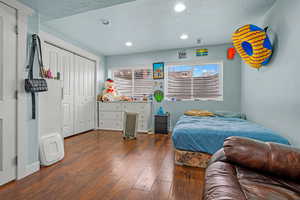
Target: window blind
(143, 83)
(123, 82)
(193, 82)
(179, 87)
(134, 82)
(206, 87)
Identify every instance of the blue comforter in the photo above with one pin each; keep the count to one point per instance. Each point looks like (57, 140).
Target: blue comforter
(207, 134)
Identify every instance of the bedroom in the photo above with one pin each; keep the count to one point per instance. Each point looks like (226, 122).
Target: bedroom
(152, 61)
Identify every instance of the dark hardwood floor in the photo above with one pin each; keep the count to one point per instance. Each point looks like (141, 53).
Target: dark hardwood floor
(100, 165)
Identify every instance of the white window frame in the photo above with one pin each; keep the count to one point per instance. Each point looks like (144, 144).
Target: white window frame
(193, 64)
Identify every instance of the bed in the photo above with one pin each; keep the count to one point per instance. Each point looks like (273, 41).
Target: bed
(196, 138)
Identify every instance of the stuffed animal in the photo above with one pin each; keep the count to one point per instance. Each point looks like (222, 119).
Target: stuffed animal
(110, 92)
(125, 98)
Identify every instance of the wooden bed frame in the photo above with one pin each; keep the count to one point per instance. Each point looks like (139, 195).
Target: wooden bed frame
(191, 159)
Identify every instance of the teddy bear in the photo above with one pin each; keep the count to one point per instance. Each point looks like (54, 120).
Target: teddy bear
(110, 92)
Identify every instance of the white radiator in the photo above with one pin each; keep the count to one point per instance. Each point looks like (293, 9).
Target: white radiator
(130, 125)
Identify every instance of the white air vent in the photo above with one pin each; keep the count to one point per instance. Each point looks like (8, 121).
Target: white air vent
(51, 149)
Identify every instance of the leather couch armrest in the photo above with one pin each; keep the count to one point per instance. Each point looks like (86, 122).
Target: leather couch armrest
(218, 156)
(276, 159)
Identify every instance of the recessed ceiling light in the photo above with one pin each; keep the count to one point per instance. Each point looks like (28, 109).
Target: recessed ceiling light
(129, 44)
(179, 7)
(184, 36)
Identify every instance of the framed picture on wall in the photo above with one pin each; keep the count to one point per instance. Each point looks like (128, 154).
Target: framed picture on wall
(201, 52)
(158, 70)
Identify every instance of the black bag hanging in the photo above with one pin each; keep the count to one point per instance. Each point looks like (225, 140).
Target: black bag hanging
(33, 85)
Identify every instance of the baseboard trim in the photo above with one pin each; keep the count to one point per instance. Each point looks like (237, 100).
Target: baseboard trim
(32, 168)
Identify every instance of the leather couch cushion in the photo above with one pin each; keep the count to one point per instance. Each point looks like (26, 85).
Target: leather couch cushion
(221, 183)
(261, 187)
(225, 181)
(276, 159)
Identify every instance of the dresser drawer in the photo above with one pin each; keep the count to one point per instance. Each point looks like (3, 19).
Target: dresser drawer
(111, 115)
(110, 124)
(135, 107)
(110, 107)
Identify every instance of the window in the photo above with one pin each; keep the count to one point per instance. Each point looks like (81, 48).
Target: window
(134, 82)
(194, 82)
(182, 82)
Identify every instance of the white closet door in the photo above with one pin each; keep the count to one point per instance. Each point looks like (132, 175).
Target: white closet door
(68, 75)
(90, 95)
(52, 57)
(79, 94)
(8, 66)
(84, 94)
(59, 60)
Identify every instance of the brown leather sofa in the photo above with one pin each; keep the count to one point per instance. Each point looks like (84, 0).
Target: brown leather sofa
(250, 170)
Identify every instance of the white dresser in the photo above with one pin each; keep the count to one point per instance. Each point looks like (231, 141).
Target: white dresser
(110, 115)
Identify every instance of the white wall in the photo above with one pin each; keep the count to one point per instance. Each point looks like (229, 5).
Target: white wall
(231, 74)
(32, 129)
(271, 96)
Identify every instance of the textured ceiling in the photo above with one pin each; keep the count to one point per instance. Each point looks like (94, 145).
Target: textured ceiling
(153, 24)
(53, 9)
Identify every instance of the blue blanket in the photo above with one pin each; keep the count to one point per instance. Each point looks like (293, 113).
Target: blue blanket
(207, 134)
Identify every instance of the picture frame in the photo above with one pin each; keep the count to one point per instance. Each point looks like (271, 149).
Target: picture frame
(158, 70)
(201, 52)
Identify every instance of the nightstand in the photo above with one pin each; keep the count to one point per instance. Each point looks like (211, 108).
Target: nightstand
(162, 124)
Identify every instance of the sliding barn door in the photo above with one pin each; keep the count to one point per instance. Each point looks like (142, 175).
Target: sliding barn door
(8, 87)
(84, 94)
(59, 60)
